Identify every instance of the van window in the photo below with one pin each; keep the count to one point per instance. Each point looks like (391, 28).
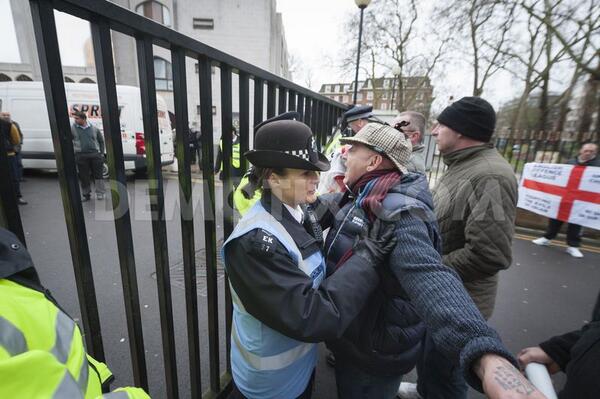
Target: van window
(29, 113)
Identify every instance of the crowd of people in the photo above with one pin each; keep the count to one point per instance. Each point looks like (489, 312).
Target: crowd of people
(390, 275)
(402, 276)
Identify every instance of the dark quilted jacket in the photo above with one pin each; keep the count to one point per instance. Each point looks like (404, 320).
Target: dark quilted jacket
(475, 204)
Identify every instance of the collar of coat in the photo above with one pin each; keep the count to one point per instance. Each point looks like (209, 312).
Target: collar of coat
(306, 243)
(465, 153)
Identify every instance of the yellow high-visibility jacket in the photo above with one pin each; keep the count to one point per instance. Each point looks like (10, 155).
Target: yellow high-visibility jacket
(42, 352)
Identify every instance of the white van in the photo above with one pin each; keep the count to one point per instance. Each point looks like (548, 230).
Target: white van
(27, 104)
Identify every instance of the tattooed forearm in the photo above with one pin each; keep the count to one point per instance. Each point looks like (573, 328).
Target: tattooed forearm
(510, 379)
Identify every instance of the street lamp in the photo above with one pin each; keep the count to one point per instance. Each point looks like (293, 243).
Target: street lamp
(362, 4)
(395, 71)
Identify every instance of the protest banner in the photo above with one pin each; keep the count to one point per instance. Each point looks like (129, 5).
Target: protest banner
(570, 193)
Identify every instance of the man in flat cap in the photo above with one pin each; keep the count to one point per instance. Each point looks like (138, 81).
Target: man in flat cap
(475, 205)
(355, 119)
(417, 292)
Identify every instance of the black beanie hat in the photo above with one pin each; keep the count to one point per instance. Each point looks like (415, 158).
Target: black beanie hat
(470, 116)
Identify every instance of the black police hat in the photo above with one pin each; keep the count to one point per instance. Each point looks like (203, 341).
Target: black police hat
(282, 142)
(14, 257)
(358, 112)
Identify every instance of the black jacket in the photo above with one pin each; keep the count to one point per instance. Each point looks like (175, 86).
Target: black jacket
(578, 354)
(275, 291)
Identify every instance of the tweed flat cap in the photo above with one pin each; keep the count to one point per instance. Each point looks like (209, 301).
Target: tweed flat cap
(385, 140)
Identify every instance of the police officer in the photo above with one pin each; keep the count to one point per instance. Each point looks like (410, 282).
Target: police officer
(236, 171)
(42, 353)
(282, 303)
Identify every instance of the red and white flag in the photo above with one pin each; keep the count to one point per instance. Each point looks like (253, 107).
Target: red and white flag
(570, 193)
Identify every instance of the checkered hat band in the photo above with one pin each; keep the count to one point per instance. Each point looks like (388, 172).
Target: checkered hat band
(304, 154)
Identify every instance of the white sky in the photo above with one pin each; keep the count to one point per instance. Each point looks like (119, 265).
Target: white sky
(313, 31)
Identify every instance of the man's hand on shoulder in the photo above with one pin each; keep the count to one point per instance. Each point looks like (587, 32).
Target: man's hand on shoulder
(502, 380)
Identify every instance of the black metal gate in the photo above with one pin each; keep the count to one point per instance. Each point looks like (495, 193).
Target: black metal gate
(319, 112)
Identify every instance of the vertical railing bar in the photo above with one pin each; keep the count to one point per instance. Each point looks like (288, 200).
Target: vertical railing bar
(271, 99)
(307, 111)
(157, 207)
(182, 150)
(291, 100)
(244, 95)
(210, 237)
(227, 138)
(282, 100)
(107, 90)
(325, 119)
(56, 101)
(300, 106)
(259, 92)
(314, 121)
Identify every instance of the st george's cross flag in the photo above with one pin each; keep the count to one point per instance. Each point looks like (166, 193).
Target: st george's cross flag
(570, 193)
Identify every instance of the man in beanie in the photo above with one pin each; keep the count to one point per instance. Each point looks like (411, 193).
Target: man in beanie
(416, 291)
(475, 205)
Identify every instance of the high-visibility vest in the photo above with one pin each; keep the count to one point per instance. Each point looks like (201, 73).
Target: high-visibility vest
(333, 145)
(42, 352)
(265, 363)
(241, 203)
(235, 153)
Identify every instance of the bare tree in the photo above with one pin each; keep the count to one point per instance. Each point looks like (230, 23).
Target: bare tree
(391, 38)
(485, 25)
(582, 47)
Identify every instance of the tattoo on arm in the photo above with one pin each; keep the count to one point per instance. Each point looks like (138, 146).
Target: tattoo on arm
(511, 379)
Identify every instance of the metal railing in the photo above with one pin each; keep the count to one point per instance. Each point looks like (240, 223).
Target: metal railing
(521, 148)
(319, 112)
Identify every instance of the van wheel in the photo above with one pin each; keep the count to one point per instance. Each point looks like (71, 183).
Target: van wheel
(105, 174)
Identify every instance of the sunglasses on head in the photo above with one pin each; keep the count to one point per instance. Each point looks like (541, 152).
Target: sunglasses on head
(400, 125)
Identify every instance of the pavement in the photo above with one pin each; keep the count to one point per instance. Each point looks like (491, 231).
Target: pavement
(544, 293)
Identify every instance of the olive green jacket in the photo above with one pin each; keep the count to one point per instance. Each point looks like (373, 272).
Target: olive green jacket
(475, 204)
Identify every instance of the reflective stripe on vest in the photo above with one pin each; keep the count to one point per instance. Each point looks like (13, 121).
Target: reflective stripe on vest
(275, 362)
(11, 338)
(68, 388)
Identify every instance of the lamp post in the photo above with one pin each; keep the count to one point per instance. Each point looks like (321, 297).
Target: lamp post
(395, 72)
(362, 4)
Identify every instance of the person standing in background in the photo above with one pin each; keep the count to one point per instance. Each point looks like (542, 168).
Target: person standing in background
(588, 156)
(88, 144)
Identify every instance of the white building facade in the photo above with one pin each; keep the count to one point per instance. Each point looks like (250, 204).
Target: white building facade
(249, 30)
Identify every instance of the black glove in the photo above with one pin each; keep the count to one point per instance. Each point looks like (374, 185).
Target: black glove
(377, 244)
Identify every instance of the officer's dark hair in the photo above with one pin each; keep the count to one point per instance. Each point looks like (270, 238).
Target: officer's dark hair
(257, 178)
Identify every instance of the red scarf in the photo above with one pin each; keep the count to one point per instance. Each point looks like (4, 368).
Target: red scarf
(369, 191)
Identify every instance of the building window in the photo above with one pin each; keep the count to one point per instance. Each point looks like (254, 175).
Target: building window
(340, 98)
(69, 80)
(203, 23)
(24, 78)
(419, 96)
(4, 78)
(86, 80)
(359, 96)
(369, 95)
(384, 95)
(163, 74)
(156, 11)
(384, 106)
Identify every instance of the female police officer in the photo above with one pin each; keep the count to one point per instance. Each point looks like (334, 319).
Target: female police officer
(282, 304)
